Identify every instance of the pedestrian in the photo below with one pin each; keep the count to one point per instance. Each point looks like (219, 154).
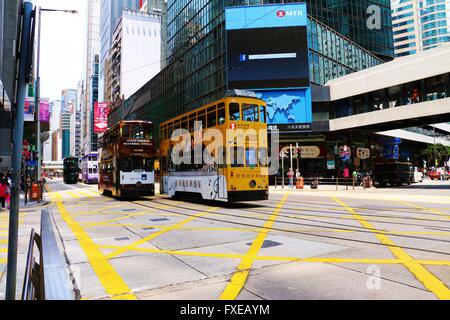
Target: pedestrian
(8, 195)
(297, 174)
(2, 194)
(290, 175)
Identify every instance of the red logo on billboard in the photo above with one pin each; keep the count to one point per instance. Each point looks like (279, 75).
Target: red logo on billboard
(101, 111)
(281, 13)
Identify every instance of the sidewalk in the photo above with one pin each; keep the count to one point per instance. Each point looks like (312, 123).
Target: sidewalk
(321, 187)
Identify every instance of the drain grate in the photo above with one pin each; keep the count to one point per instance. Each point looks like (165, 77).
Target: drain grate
(129, 210)
(268, 244)
(148, 228)
(159, 219)
(122, 239)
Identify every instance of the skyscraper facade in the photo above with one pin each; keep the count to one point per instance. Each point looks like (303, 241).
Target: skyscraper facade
(91, 51)
(110, 12)
(420, 25)
(350, 18)
(197, 67)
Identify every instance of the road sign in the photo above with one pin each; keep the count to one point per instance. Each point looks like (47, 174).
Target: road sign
(363, 153)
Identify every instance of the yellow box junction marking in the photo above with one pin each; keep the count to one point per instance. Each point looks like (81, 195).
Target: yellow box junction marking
(157, 234)
(112, 282)
(3, 261)
(430, 281)
(239, 278)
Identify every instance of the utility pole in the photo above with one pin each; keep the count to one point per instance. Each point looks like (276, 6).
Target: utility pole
(26, 18)
(290, 155)
(37, 99)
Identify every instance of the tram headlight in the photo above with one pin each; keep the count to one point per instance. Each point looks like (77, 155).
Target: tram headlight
(252, 184)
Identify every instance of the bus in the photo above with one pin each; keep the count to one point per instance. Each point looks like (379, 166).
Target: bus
(89, 168)
(127, 154)
(233, 169)
(70, 170)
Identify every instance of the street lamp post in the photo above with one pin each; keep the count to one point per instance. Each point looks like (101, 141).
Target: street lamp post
(38, 87)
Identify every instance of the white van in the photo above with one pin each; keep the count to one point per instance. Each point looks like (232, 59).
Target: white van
(418, 176)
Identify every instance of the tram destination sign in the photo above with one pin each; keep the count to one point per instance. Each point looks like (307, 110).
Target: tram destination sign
(137, 142)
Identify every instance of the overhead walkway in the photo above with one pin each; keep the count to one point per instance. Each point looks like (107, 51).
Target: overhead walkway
(409, 91)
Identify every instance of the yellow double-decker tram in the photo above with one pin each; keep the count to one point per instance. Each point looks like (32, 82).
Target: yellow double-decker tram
(217, 152)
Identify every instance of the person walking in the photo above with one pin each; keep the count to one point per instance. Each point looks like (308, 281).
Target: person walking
(290, 175)
(2, 195)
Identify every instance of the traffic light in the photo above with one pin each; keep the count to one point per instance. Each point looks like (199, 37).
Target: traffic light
(299, 152)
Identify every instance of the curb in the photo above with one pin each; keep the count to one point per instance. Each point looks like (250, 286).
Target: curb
(42, 204)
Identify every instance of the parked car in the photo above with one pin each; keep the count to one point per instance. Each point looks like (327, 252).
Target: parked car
(433, 174)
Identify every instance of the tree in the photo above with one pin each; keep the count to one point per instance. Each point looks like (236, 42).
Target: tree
(436, 152)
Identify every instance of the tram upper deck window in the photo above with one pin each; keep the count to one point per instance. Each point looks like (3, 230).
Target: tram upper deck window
(202, 118)
(262, 114)
(250, 112)
(221, 113)
(212, 119)
(235, 113)
(192, 119)
(125, 131)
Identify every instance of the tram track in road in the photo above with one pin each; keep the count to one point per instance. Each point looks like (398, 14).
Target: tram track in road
(342, 227)
(337, 208)
(253, 225)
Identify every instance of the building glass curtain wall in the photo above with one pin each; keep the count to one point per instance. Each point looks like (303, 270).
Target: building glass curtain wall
(196, 75)
(94, 90)
(420, 25)
(350, 18)
(435, 22)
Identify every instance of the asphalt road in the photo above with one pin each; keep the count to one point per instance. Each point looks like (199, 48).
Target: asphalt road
(365, 244)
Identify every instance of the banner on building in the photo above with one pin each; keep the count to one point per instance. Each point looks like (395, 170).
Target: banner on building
(101, 111)
(44, 113)
(29, 109)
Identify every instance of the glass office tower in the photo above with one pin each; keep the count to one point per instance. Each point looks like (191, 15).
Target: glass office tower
(196, 71)
(420, 25)
(350, 19)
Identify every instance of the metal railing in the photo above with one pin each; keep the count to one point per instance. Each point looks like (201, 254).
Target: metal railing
(49, 278)
(316, 182)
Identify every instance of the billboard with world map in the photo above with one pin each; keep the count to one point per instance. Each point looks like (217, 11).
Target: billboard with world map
(287, 106)
(267, 52)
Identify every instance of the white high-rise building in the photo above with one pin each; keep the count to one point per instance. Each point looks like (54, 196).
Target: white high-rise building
(135, 53)
(419, 25)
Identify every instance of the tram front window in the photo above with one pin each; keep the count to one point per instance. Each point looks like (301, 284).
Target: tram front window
(136, 164)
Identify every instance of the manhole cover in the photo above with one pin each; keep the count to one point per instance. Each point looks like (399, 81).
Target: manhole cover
(122, 239)
(268, 244)
(159, 220)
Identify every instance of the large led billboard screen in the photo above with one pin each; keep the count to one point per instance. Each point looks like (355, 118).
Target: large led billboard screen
(267, 51)
(268, 58)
